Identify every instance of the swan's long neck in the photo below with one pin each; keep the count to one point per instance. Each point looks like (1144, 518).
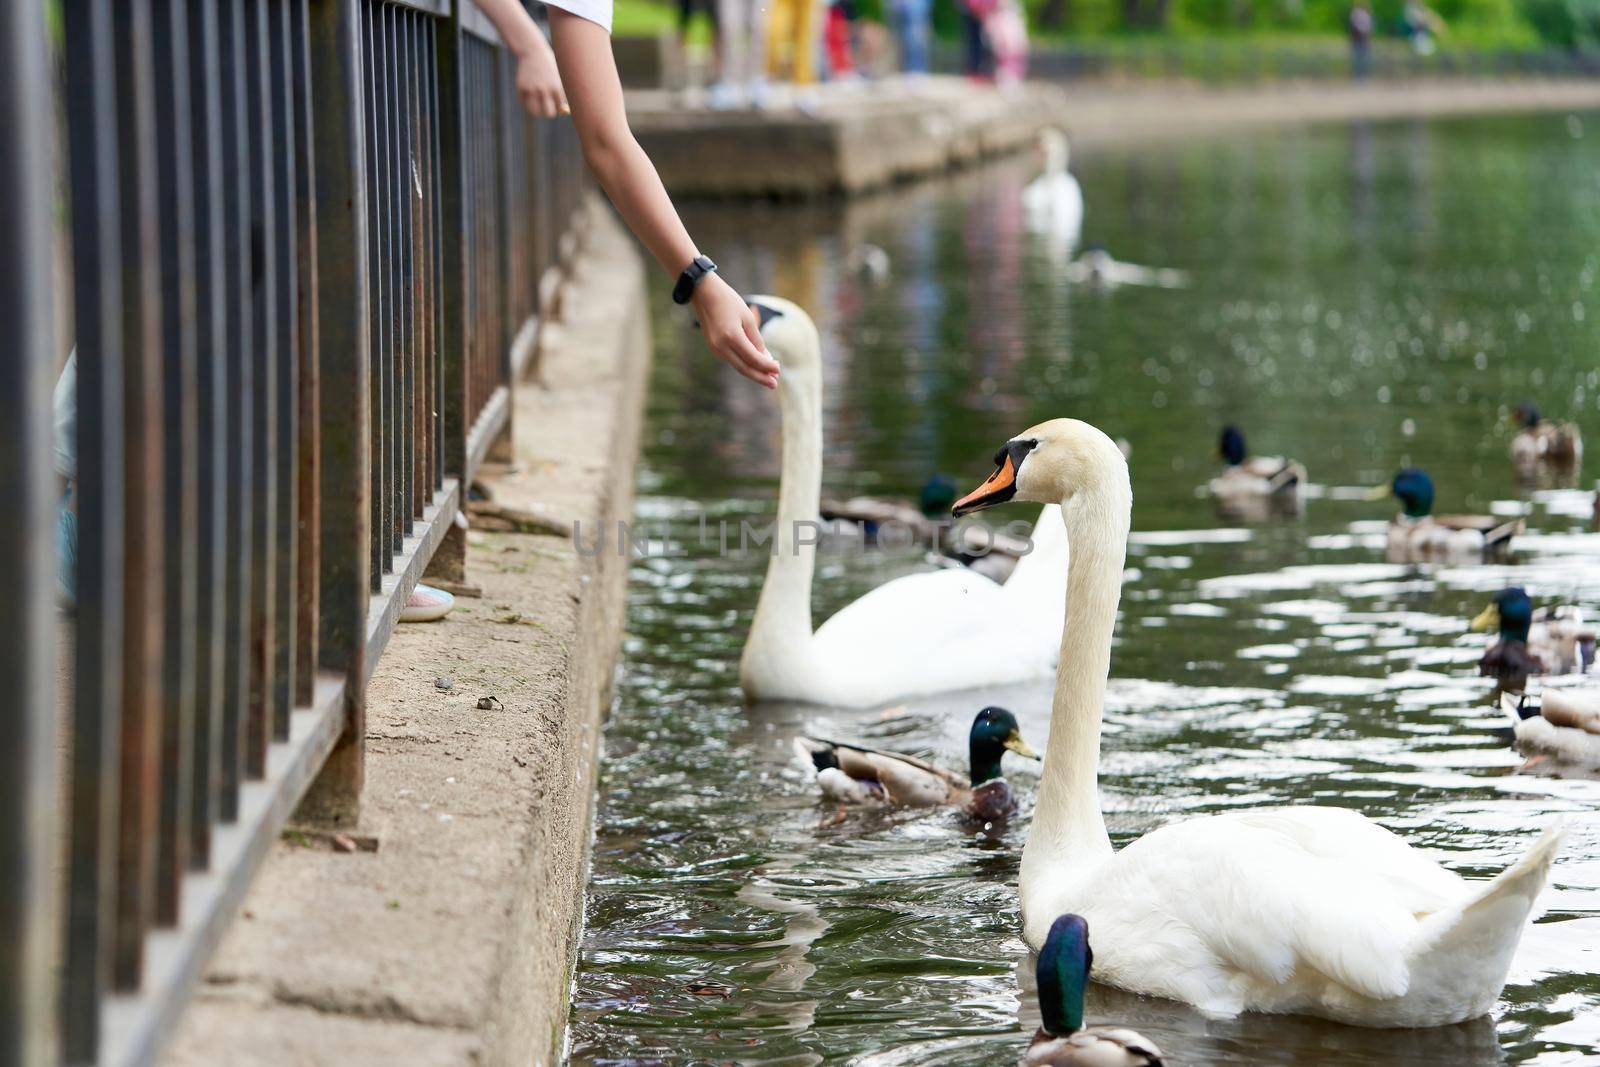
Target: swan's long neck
(783, 612)
(1055, 156)
(1067, 825)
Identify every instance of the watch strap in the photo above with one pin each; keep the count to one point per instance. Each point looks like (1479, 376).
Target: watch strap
(691, 277)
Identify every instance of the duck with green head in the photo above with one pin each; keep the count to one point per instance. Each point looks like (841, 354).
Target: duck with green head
(1417, 533)
(1062, 1040)
(1254, 487)
(1541, 443)
(1530, 641)
(855, 775)
(992, 553)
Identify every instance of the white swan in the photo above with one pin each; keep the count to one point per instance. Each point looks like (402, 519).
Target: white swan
(923, 633)
(1303, 910)
(1053, 202)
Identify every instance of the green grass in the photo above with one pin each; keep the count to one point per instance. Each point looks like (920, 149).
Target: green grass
(1497, 27)
(647, 18)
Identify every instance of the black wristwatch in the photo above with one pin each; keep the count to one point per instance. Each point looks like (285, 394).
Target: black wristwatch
(690, 278)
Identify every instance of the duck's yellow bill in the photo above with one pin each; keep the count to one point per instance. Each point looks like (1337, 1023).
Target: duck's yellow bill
(1488, 620)
(1016, 744)
(1379, 492)
(997, 488)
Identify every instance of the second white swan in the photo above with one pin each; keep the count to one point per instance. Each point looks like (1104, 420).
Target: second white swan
(924, 633)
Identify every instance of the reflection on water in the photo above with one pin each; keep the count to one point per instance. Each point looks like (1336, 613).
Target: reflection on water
(1360, 298)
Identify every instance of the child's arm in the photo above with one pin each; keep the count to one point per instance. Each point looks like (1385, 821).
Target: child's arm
(583, 65)
(538, 83)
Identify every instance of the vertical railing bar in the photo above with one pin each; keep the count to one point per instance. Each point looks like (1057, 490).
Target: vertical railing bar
(210, 425)
(29, 829)
(310, 457)
(411, 180)
(240, 341)
(450, 79)
(338, 75)
(383, 352)
(401, 431)
(175, 183)
(427, 312)
(474, 151)
(469, 152)
(141, 466)
(484, 203)
(417, 463)
(391, 270)
(502, 148)
(264, 303)
(286, 370)
(542, 211)
(436, 225)
(98, 496)
(375, 255)
(478, 209)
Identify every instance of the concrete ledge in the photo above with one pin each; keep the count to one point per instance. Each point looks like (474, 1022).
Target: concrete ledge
(454, 941)
(851, 138)
(1103, 117)
(838, 138)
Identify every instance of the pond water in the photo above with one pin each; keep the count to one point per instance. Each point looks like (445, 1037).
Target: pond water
(1362, 297)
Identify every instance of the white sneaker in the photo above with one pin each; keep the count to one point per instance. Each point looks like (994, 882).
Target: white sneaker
(427, 604)
(723, 96)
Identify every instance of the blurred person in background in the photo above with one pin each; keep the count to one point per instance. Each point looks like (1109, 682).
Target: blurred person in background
(837, 37)
(686, 12)
(911, 27)
(792, 32)
(1005, 28)
(744, 49)
(1359, 25)
(579, 75)
(978, 62)
(1421, 25)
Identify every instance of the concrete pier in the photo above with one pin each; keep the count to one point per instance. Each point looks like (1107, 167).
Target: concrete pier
(836, 138)
(850, 138)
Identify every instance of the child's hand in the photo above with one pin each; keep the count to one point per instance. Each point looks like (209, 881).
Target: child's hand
(538, 80)
(733, 332)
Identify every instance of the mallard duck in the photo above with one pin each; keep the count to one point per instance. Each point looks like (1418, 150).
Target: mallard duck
(851, 774)
(1063, 1040)
(1302, 910)
(1564, 725)
(1539, 441)
(869, 261)
(1096, 267)
(1549, 640)
(1417, 533)
(992, 553)
(1255, 486)
(925, 523)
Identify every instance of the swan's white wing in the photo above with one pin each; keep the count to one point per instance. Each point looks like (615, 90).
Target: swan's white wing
(1347, 838)
(928, 633)
(1265, 897)
(922, 613)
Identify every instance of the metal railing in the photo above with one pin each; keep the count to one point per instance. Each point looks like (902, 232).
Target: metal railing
(310, 242)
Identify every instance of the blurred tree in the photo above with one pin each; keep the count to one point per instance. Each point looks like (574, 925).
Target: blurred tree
(1569, 23)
